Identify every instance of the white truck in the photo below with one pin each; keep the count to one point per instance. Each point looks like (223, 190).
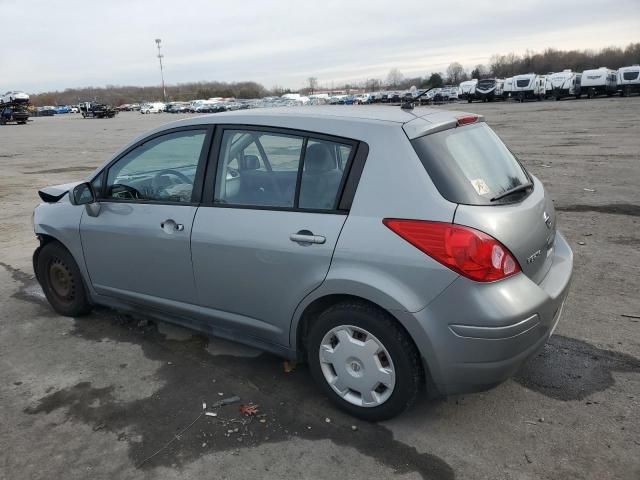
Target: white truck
(467, 89)
(564, 84)
(599, 81)
(529, 86)
(629, 80)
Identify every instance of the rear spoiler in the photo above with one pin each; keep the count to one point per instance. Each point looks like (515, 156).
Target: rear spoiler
(54, 193)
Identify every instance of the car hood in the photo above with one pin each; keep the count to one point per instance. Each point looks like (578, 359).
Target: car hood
(54, 193)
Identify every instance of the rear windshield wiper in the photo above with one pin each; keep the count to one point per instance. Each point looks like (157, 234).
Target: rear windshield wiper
(513, 190)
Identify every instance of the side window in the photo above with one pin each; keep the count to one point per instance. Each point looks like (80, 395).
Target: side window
(262, 169)
(162, 169)
(324, 166)
(267, 168)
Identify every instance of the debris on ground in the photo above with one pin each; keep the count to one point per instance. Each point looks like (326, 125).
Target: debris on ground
(588, 189)
(225, 401)
(527, 457)
(354, 428)
(328, 420)
(249, 409)
(581, 243)
(289, 366)
(211, 414)
(625, 315)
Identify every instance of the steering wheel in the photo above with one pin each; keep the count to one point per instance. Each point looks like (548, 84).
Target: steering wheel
(175, 173)
(124, 192)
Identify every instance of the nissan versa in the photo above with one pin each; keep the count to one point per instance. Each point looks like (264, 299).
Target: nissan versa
(388, 248)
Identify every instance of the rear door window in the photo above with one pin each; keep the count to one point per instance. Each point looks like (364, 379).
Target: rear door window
(269, 169)
(470, 165)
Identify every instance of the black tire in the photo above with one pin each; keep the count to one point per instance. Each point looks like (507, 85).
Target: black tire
(62, 281)
(404, 355)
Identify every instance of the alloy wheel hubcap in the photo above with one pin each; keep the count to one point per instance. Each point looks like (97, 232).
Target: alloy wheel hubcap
(357, 366)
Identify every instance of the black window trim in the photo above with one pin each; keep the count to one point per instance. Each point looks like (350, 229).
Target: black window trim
(348, 183)
(198, 181)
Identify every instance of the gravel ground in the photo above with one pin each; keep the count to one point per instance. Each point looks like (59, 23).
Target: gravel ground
(97, 397)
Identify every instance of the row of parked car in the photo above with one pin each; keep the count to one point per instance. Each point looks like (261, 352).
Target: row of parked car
(590, 83)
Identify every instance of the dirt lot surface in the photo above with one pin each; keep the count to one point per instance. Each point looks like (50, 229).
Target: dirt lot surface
(97, 397)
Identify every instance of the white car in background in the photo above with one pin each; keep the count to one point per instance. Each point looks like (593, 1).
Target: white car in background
(14, 97)
(155, 107)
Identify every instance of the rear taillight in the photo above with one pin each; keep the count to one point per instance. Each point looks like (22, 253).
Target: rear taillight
(469, 252)
(467, 119)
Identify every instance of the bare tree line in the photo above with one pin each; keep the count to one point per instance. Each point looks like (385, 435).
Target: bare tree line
(502, 65)
(119, 94)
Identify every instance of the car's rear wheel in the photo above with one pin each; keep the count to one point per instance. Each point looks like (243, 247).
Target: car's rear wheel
(61, 281)
(364, 361)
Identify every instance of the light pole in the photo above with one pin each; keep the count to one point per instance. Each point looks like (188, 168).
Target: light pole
(164, 91)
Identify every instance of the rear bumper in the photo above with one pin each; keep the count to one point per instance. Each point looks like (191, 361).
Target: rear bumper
(476, 335)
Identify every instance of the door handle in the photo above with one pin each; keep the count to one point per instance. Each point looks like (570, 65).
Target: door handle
(170, 226)
(306, 237)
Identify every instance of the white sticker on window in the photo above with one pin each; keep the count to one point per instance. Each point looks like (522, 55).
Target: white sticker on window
(480, 186)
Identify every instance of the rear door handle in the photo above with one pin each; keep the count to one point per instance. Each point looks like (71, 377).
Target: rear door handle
(305, 236)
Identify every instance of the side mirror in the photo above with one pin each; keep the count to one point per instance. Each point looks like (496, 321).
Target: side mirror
(83, 194)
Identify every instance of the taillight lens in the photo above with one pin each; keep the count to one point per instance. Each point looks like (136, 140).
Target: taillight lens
(468, 251)
(467, 119)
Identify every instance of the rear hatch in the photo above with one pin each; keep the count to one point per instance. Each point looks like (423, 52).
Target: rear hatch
(471, 166)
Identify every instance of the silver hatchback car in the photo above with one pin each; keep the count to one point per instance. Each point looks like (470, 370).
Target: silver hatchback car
(389, 248)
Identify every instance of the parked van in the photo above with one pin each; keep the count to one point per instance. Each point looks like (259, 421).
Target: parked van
(529, 87)
(154, 107)
(467, 89)
(488, 90)
(564, 84)
(600, 81)
(629, 80)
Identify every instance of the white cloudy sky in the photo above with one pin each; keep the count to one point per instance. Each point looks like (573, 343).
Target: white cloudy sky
(50, 44)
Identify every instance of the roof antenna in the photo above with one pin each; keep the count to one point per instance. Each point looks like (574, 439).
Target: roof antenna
(409, 104)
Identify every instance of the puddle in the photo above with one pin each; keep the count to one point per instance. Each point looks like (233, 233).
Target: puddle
(613, 208)
(570, 369)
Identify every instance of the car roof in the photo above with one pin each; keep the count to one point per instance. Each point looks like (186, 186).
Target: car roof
(368, 113)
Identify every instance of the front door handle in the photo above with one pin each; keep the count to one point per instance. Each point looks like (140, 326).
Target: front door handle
(170, 226)
(306, 237)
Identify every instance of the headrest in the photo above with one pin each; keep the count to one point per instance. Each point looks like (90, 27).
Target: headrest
(251, 162)
(318, 159)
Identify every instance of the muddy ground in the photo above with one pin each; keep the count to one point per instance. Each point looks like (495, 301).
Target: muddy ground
(110, 396)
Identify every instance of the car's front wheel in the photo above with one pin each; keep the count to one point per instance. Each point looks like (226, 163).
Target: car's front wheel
(61, 281)
(364, 361)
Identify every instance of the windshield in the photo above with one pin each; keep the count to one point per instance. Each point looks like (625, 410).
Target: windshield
(471, 165)
(630, 75)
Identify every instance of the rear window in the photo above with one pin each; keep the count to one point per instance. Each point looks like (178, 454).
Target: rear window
(471, 165)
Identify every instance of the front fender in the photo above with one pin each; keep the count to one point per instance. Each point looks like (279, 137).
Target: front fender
(61, 221)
